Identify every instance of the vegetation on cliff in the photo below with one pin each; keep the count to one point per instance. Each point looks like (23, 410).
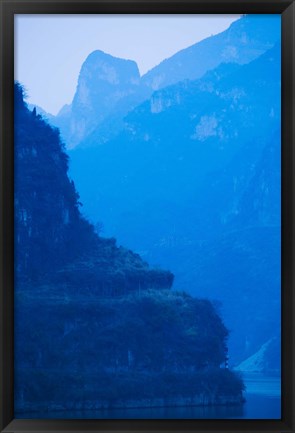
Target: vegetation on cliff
(95, 326)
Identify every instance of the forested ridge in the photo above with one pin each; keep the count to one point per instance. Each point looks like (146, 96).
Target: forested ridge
(95, 326)
(54, 241)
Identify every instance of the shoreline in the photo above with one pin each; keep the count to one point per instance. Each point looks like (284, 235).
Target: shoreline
(160, 403)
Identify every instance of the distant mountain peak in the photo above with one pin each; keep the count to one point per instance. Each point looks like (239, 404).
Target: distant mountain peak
(100, 54)
(104, 80)
(114, 70)
(110, 87)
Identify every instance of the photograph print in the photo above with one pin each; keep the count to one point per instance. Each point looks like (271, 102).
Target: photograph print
(147, 216)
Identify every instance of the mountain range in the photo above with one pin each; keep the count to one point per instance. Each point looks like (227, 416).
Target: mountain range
(109, 87)
(182, 165)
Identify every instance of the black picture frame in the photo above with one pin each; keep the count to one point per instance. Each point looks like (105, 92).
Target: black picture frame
(10, 7)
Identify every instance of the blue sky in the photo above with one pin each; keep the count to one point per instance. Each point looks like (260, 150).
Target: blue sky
(50, 49)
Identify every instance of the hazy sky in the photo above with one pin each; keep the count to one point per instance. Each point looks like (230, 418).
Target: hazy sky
(50, 49)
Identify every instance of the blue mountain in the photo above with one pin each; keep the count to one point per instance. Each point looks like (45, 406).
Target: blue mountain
(103, 82)
(245, 40)
(193, 181)
(108, 87)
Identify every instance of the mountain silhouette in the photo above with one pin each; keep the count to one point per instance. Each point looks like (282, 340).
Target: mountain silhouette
(103, 82)
(245, 39)
(108, 87)
(195, 163)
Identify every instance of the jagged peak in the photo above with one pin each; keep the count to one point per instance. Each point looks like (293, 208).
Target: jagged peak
(102, 55)
(99, 59)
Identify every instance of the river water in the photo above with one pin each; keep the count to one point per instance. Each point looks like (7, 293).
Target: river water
(263, 401)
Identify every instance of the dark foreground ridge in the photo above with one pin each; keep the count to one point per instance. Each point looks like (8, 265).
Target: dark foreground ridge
(95, 326)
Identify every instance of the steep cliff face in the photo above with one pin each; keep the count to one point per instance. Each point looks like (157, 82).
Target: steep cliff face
(54, 242)
(103, 82)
